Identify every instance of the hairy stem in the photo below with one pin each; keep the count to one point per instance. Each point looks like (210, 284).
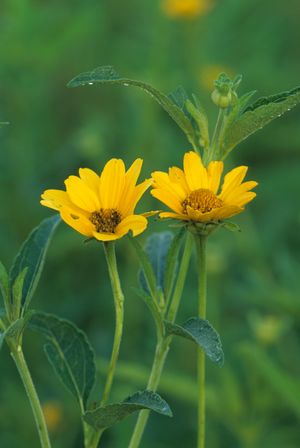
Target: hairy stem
(23, 370)
(163, 345)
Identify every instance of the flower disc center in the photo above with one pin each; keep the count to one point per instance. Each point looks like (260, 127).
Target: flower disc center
(203, 200)
(105, 220)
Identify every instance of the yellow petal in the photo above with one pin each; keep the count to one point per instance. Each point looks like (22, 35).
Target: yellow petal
(239, 191)
(81, 195)
(177, 177)
(105, 236)
(226, 212)
(90, 178)
(232, 180)
(195, 172)
(168, 199)
(214, 171)
(112, 183)
(136, 223)
(244, 198)
(162, 180)
(151, 213)
(55, 199)
(127, 199)
(77, 221)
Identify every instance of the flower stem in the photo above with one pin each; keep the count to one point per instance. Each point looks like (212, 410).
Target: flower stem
(23, 370)
(214, 148)
(109, 250)
(163, 344)
(201, 255)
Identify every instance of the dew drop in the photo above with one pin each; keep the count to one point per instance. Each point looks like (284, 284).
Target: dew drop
(91, 83)
(125, 84)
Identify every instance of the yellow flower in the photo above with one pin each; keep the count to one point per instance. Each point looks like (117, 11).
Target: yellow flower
(185, 8)
(101, 206)
(192, 193)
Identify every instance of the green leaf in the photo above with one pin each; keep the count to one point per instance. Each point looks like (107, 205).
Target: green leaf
(171, 265)
(69, 353)
(4, 283)
(203, 334)
(32, 256)
(17, 290)
(156, 248)
(13, 331)
(231, 226)
(106, 416)
(258, 115)
(153, 307)
(107, 74)
(146, 266)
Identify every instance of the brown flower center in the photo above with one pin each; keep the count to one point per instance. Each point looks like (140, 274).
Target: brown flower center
(203, 200)
(105, 219)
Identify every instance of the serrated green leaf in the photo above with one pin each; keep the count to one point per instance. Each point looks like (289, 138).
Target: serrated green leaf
(153, 307)
(203, 334)
(258, 115)
(171, 265)
(32, 255)
(69, 352)
(107, 74)
(146, 266)
(156, 248)
(106, 416)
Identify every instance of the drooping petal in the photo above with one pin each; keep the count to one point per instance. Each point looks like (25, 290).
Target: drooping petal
(180, 216)
(81, 195)
(232, 180)
(194, 170)
(78, 221)
(112, 183)
(214, 172)
(177, 177)
(135, 223)
(168, 199)
(90, 178)
(55, 199)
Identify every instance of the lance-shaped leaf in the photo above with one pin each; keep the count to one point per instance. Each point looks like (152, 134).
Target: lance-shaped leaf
(69, 352)
(13, 331)
(156, 248)
(32, 256)
(149, 276)
(203, 334)
(4, 285)
(107, 74)
(106, 416)
(258, 115)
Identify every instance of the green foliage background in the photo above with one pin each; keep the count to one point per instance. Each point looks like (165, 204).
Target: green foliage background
(254, 400)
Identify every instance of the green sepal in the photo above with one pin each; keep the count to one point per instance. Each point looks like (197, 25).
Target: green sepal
(69, 352)
(107, 74)
(32, 255)
(203, 334)
(231, 226)
(258, 115)
(106, 416)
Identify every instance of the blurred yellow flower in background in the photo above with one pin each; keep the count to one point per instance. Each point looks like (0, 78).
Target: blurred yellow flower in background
(209, 73)
(53, 414)
(101, 206)
(186, 9)
(192, 193)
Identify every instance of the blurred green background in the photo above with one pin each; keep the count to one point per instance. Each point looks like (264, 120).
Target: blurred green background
(254, 400)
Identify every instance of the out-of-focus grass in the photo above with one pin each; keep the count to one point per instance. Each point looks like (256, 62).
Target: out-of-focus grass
(253, 276)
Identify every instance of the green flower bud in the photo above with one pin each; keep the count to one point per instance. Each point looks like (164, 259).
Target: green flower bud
(221, 100)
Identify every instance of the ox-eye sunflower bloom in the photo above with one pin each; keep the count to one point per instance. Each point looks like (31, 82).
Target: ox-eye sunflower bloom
(101, 206)
(192, 193)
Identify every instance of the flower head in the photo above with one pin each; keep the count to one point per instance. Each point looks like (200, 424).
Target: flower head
(186, 9)
(101, 206)
(192, 193)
